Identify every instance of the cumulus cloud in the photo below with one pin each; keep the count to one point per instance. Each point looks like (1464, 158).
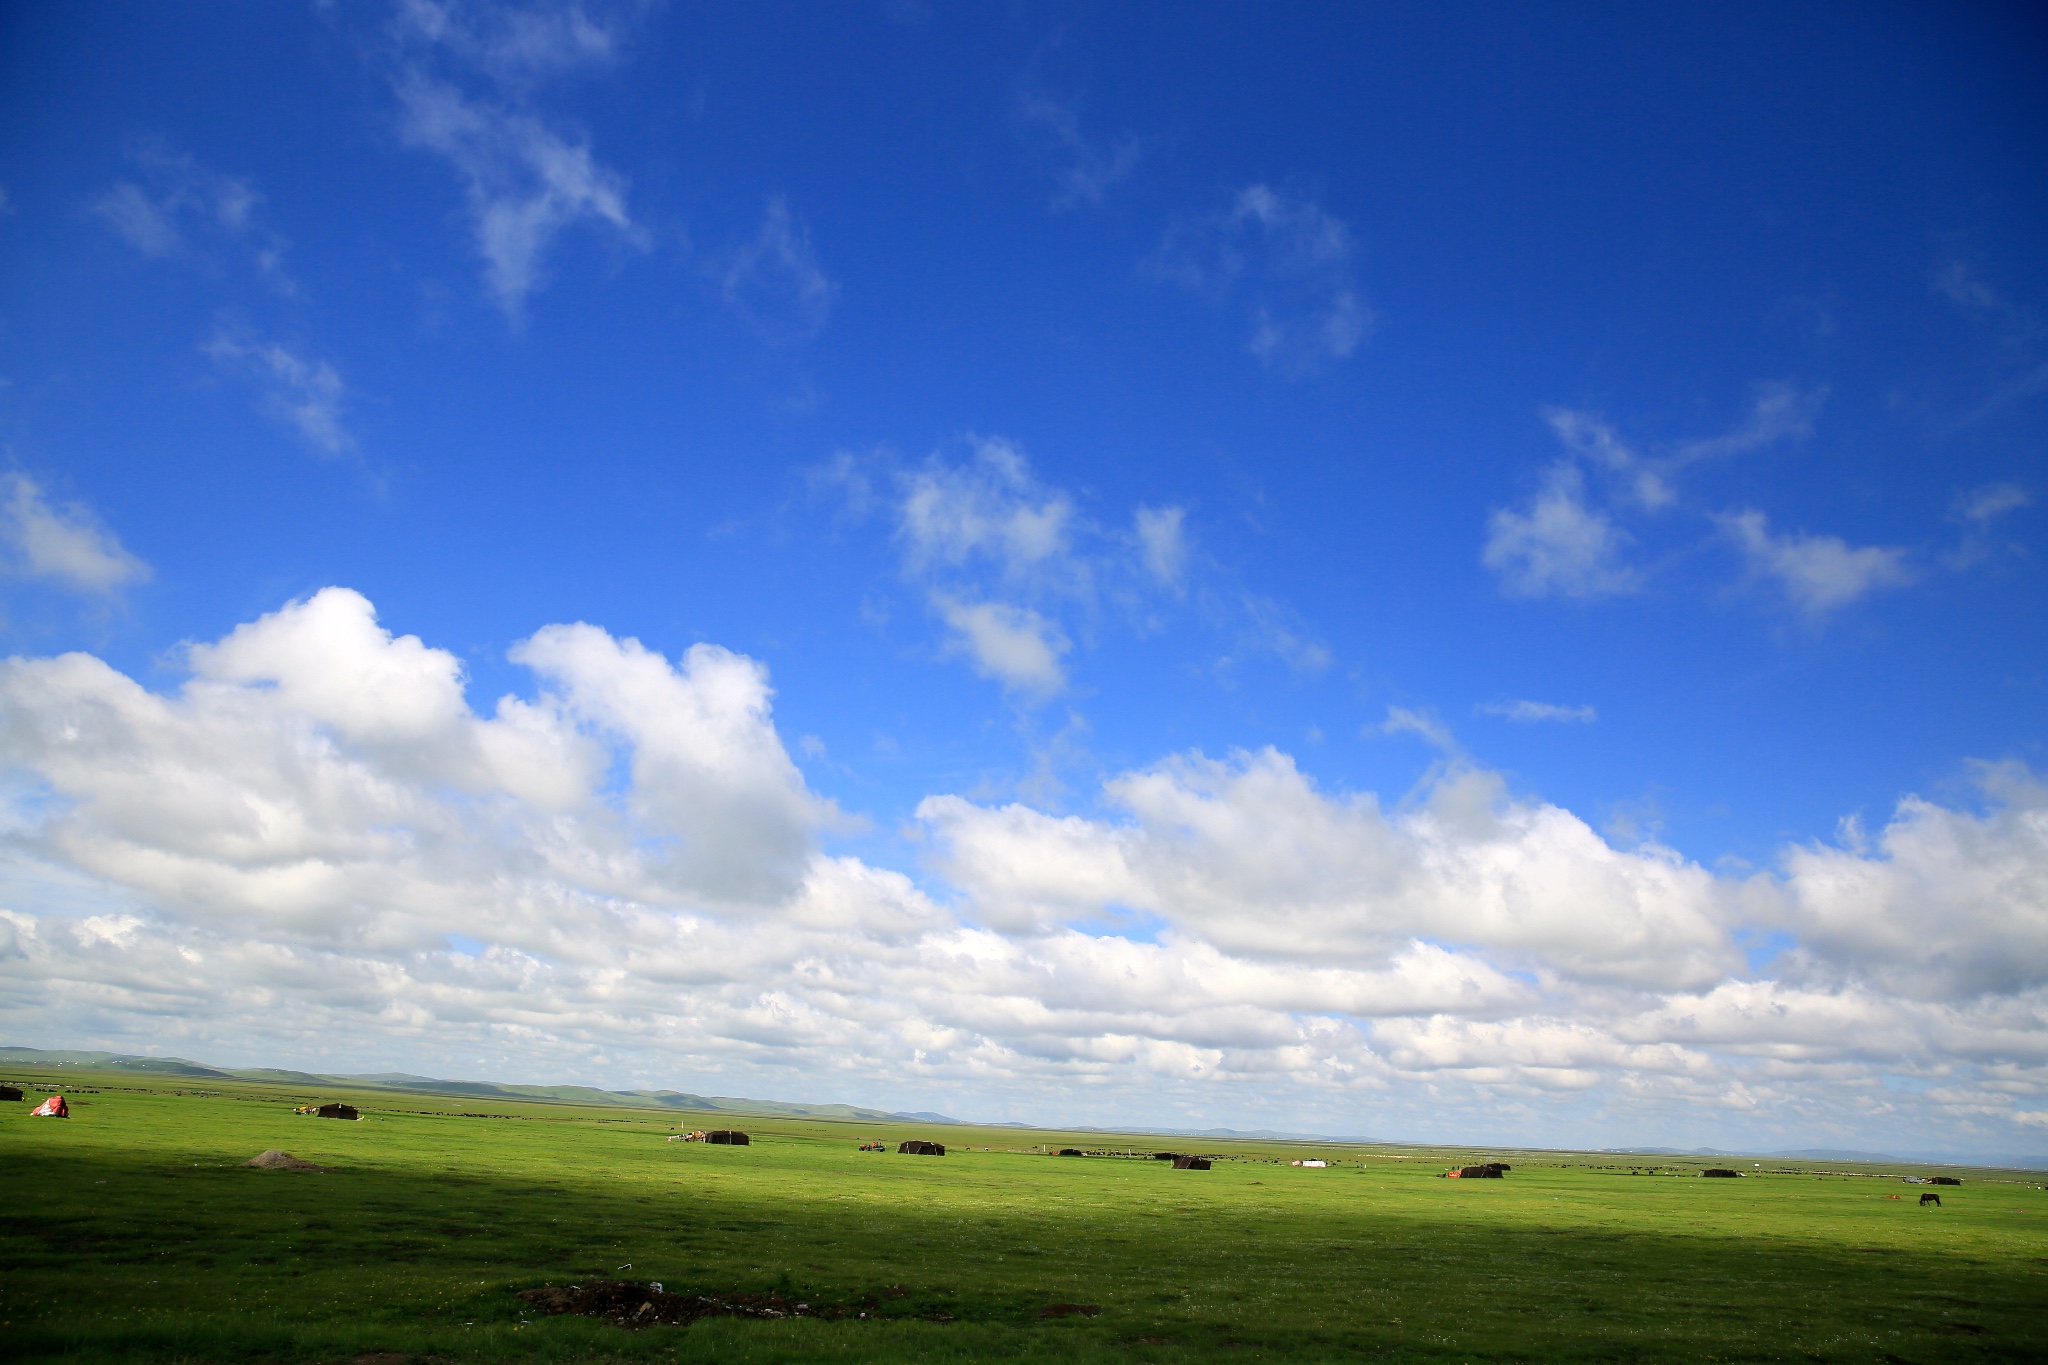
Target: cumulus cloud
(1950, 903)
(1290, 263)
(1557, 546)
(1817, 573)
(1014, 645)
(1250, 855)
(280, 848)
(64, 543)
(1524, 712)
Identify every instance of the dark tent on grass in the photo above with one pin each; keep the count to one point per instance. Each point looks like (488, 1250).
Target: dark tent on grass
(1166, 1156)
(1722, 1173)
(337, 1111)
(919, 1147)
(1943, 1180)
(727, 1137)
(1070, 1151)
(1492, 1170)
(8, 1092)
(1191, 1163)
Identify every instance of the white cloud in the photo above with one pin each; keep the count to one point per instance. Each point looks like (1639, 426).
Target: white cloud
(278, 849)
(1536, 712)
(1014, 645)
(1162, 535)
(178, 208)
(1402, 720)
(1557, 546)
(774, 280)
(525, 182)
(1950, 904)
(515, 45)
(307, 394)
(65, 543)
(1088, 169)
(1817, 573)
(1991, 501)
(989, 509)
(1292, 263)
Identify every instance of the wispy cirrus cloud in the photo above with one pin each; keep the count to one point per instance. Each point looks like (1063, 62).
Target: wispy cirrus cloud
(177, 209)
(1289, 263)
(1575, 535)
(774, 282)
(1021, 577)
(1539, 712)
(1084, 167)
(1816, 573)
(465, 76)
(302, 391)
(62, 542)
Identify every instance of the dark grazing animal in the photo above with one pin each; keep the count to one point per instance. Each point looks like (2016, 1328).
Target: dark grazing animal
(1930, 1197)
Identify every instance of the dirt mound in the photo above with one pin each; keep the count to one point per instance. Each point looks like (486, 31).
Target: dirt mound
(274, 1160)
(631, 1304)
(1070, 1310)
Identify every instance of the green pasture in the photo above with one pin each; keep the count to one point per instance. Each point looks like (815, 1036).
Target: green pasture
(133, 1233)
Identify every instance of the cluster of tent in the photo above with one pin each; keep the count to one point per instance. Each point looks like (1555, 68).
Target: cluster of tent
(329, 1111)
(1492, 1170)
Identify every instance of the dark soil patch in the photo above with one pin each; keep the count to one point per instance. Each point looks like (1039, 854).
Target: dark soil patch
(631, 1303)
(1070, 1310)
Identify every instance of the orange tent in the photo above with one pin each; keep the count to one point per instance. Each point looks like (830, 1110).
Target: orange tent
(51, 1108)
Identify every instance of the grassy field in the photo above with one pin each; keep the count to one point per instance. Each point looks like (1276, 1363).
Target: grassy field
(133, 1233)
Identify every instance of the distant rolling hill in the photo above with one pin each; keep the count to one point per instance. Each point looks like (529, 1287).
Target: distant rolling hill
(428, 1085)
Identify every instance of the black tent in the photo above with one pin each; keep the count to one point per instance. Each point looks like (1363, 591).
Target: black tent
(338, 1111)
(727, 1137)
(1191, 1163)
(918, 1147)
(8, 1092)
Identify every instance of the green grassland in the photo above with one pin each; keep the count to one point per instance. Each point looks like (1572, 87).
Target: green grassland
(132, 1232)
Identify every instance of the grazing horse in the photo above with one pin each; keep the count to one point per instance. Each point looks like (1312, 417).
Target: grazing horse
(1930, 1197)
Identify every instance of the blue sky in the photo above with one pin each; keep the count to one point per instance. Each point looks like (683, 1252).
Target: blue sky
(1547, 505)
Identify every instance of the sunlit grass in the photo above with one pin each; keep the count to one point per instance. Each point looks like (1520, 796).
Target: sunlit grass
(133, 1233)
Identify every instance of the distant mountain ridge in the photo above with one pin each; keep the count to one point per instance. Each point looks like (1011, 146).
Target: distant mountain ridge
(429, 1085)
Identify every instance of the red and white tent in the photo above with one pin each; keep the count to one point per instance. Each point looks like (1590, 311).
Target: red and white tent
(51, 1108)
